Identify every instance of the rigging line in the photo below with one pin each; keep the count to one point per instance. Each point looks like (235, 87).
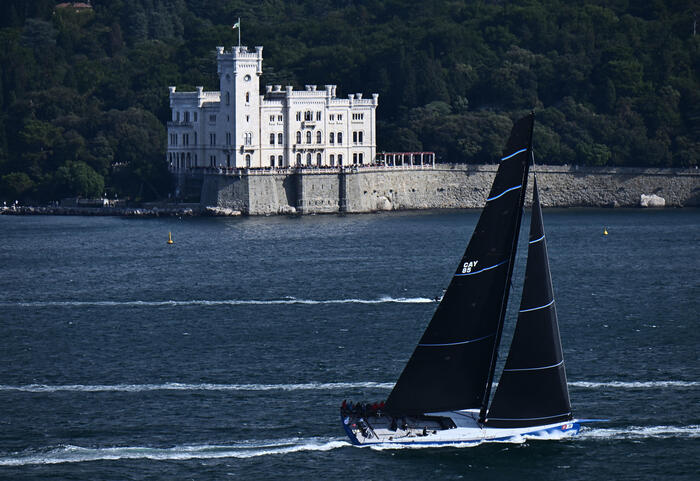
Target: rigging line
(535, 368)
(503, 193)
(536, 240)
(513, 154)
(528, 419)
(481, 270)
(537, 308)
(459, 342)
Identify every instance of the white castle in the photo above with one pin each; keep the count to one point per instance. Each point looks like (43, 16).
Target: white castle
(237, 127)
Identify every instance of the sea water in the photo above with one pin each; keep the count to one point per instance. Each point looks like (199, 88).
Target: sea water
(227, 354)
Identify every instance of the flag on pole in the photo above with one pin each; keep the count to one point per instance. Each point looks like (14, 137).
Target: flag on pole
(237, 25)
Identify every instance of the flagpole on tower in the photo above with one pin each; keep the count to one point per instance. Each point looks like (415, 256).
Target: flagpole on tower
(238, 26)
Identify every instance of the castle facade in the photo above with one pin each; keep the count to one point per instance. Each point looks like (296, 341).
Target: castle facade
(237, 127)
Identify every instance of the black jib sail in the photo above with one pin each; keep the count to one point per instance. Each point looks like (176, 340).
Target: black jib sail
(532, 389)
(452, 366)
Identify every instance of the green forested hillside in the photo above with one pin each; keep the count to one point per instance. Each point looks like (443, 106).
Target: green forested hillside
(84, 97)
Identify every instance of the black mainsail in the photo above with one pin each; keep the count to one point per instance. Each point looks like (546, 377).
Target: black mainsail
(452, 367)
(532, 389)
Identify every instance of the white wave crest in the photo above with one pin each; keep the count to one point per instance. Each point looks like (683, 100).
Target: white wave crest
(634, 384)
(175, 386)
(221, 302)
(242, 449)
(313, 386)
(640, 432)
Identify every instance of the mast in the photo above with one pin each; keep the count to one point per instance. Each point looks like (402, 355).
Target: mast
(532, 389)
(511, 264)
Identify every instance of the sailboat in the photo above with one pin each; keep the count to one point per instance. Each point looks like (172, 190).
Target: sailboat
(443, 395)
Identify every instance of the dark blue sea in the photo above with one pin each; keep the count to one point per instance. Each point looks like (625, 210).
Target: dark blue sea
(227, 354)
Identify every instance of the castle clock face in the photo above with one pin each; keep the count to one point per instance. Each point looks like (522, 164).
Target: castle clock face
(247, 78)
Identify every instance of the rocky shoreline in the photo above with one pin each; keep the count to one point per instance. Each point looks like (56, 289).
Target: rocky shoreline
(174, 211)
(121, 211)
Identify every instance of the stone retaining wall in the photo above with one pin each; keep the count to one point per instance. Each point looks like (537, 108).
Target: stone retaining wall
(447, 186)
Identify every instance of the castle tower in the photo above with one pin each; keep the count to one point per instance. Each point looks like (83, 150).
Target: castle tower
(238, 127)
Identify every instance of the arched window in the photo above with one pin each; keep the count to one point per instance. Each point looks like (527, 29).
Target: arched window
(318, 159)
(340, 137)
(228, 98)
(298, 160)
(354, 159)
(279, 161)
(318, 137)
(247, 97)
(340, 160)
(279, 139)
(308, 137)
(247, 160)
(272, 161)
(332, 160)
(272, 139)
(308, 159)
(331, 137)
(298, 137)
(360, 155)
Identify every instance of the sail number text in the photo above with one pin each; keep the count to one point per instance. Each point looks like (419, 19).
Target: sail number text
(468, 266)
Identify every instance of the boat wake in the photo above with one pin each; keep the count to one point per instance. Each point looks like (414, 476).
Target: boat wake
(640, 432)
(255, 448)
(222, 302)
(312, 386)
(634, 384)
(176, 386)
(240, 450)
(586, 434)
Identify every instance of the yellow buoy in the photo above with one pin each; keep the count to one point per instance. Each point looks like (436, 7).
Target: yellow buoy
(605, 231)
(170, 238)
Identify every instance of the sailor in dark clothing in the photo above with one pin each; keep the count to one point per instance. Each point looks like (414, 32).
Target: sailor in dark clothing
(393, 425)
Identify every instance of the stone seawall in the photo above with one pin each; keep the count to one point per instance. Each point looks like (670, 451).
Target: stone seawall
(446, 186)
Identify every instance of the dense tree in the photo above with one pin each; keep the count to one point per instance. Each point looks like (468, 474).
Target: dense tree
(83, 92)
(77, 179)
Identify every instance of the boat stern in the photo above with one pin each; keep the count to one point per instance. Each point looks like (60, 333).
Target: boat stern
(346, 420)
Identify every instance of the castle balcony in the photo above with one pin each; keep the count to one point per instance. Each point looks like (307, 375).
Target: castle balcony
(308, 124)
